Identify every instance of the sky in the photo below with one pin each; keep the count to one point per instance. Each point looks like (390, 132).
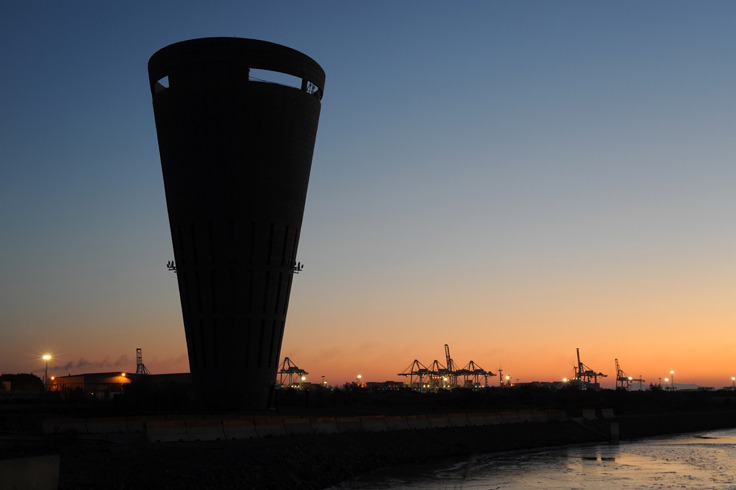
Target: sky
(516, 179)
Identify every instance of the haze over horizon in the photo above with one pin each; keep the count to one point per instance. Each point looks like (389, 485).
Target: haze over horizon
(514, 179)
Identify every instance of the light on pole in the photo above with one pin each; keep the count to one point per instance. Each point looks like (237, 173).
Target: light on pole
(673, 379)
(46, 375)
(358, 378)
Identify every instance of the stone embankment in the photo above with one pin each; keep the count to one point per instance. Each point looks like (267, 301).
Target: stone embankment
(197, 427)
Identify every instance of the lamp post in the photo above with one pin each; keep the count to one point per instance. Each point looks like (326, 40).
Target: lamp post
(673, 380)
(46, 375)
(733, 382)
(358, 378)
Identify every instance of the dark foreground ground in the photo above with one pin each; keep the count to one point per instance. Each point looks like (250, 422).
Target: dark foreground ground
(311, 462)
(319, 461)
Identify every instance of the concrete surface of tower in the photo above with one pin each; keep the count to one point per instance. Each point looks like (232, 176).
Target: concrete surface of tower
(236, 153)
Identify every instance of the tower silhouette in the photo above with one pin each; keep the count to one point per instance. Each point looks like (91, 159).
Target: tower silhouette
(236, 153)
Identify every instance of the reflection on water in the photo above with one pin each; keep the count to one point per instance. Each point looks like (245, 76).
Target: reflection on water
(693, 461)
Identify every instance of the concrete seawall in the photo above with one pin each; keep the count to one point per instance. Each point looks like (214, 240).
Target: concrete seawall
(192, 427)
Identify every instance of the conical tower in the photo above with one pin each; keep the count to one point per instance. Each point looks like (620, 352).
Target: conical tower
(236, 153)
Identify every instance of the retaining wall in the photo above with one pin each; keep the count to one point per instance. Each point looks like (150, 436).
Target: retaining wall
(196, 427)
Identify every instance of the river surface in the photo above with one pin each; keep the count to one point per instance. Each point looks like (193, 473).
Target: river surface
(703, 460)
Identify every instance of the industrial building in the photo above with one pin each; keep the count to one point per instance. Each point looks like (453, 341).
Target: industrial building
(105, 386)
(236, 153)
(100, 385)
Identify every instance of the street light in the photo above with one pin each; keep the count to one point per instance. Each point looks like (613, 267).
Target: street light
(733, 381)
(46, 375)
(673, 379)
(358, 378)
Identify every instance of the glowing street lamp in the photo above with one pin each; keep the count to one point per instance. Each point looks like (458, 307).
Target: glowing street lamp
(673, 379)
(46, 376)
(358, 378)
(733, 380)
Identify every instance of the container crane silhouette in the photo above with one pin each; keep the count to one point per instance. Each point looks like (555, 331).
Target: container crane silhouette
(584, 374)
(623, 382)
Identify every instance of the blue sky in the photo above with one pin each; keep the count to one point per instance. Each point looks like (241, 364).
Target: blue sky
(516, 179)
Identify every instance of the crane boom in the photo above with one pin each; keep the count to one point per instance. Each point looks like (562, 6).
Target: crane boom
(451, 369)
(585, 374)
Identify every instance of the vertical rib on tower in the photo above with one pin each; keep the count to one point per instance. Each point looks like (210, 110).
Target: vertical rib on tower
(236, 155)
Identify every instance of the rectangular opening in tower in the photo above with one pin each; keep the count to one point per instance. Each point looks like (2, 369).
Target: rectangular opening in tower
(268, 76)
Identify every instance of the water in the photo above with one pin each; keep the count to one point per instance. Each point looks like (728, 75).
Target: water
(704, 460)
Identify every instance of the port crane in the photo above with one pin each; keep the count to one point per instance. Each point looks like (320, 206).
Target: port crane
(584, 374)
(140, 368)
(473, 373)
(440, 375)
(418, 370)
(288, 368)
(623, 382)
(452, 368)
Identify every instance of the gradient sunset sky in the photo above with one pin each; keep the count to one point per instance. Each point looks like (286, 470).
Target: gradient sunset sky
(512, 178)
